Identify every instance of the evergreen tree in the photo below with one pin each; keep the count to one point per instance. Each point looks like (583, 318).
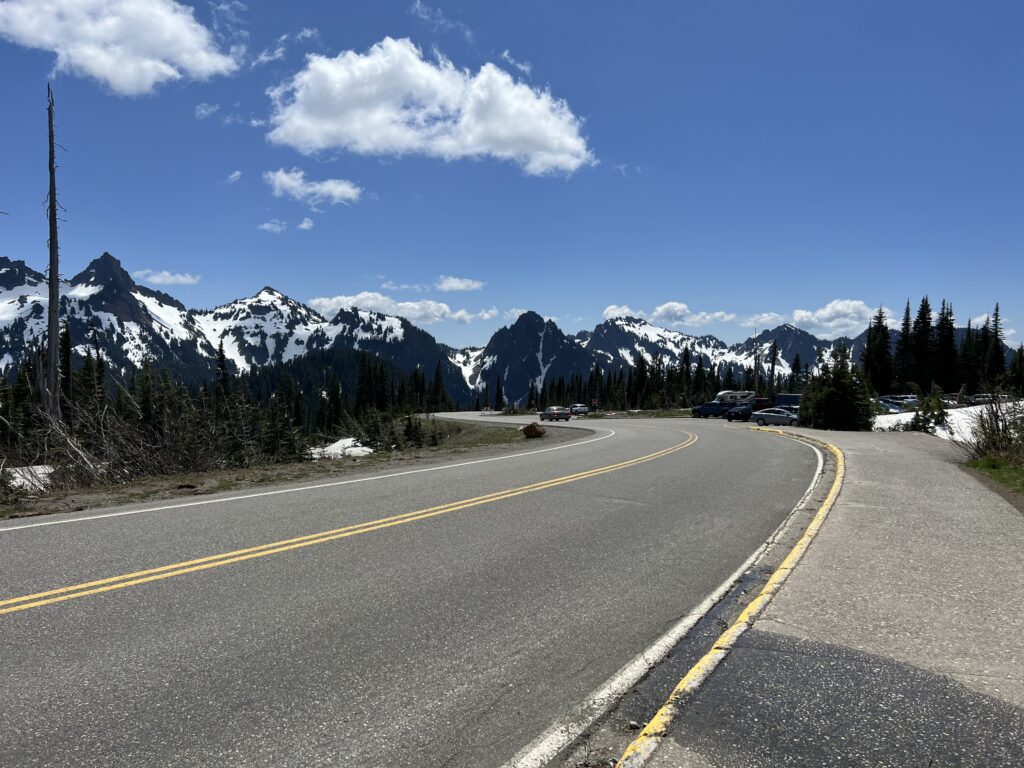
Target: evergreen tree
(1015, 373)
(947, 366)
(837, 397)
(995, 354)
(922, 346)
(499, 395)
(903, 360)
(877, 358)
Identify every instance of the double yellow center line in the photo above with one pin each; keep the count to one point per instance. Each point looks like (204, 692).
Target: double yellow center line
(61, 594)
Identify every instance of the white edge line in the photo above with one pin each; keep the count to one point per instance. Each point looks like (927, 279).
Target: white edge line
(560, 735)
(183, 505)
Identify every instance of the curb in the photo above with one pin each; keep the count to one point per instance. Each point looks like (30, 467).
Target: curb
(643, 747)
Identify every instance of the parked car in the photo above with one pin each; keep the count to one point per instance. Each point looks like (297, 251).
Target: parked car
(739, 413)
(773, 416)
(579, 409)
(555, 413)
(714, 408)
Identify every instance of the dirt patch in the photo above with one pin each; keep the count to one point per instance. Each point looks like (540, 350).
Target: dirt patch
(474, 441)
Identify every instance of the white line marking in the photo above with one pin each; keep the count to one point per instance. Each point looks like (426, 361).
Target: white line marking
(611, 433)
(562, 734)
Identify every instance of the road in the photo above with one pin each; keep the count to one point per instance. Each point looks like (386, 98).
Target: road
(441, 617)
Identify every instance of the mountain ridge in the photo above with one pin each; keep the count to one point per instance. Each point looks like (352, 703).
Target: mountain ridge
(129, 323)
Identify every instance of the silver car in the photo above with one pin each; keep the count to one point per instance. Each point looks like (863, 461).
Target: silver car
(773, 416)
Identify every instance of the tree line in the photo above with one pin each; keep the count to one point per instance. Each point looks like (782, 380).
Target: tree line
(114, 428)
(925, 354)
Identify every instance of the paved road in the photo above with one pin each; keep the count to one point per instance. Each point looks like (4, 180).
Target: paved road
(451, 637)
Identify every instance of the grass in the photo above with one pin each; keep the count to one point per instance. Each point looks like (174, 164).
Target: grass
(1007, 473)
(470, 438)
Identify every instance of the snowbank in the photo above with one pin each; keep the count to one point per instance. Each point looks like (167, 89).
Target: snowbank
(960, 421)
(29, 478)
(347, 446)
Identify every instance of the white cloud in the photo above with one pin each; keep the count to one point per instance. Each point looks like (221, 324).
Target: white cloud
(267, 55)
(233, 177)
(163, 277)
(391, 285)
(448, 283)
(274, 226)
(130, 45)
(763, 320)
(514, 313)
(840, 317)
(205, 110)
(620, 310)
(706, 318)
(523, 66)
(671, 313)
(980, 320)
(391, 101)
(424, 312)
(293, 184)
(306, 225)
(436, 18)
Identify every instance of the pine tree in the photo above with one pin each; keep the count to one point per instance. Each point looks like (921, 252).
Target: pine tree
(995, 354)
(499, 395)
(837, 397)
(947, 368)
(922, 347)
(877, 357)
(903, 361)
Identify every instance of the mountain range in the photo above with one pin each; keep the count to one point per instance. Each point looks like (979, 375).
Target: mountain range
(129, 323)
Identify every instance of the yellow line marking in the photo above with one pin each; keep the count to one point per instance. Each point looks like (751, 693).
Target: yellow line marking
(644, 745)
(61, 594)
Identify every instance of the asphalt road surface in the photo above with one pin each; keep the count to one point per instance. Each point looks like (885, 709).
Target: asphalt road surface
(444, 617)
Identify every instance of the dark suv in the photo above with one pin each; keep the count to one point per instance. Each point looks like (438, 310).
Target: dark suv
(714, 408)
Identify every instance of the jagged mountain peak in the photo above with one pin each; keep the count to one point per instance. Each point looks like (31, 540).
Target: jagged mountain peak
(17, 273)
(104, 270)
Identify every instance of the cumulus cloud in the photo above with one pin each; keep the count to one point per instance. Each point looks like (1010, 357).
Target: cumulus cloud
(391, 101)
(620, 310)
(448, 283)
(163, 277)
(840, 317)
(514, 313)
(424, 312)
(763, 320)
(205, 110)
(677, 314)
(293, 184)
(306, 224)
(130, 45)
(233, 177)
(436, 18)
(274, 226)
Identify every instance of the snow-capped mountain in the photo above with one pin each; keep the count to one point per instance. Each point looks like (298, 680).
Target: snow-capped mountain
(265, 328)
(104, 308)
(130, 324)
(531, 350)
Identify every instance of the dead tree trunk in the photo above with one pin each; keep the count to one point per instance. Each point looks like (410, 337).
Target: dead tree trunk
(51, 398)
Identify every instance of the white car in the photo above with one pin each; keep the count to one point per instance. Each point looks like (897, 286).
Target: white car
(579, 409)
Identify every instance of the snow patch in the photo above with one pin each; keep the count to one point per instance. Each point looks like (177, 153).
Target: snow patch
(347, 446)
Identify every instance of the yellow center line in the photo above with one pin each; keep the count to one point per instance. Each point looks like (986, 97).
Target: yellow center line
(61, 594)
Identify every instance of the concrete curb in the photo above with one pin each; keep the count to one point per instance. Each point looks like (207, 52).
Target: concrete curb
(643, 747)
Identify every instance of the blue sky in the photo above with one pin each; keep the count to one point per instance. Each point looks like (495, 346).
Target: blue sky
(714, 166)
